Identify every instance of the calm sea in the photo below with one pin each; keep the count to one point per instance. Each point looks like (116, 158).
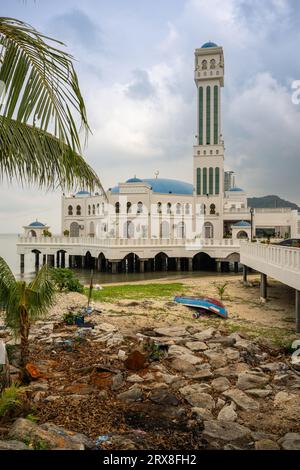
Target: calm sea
(8, 251)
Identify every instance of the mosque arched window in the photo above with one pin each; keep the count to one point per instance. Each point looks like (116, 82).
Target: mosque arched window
(212, 64)
(159, 207)
(129, 207)
(212, 209)
(117, 208)
(139, 207)
(169, 208)
(94, 209)
(70, 210)
(78, 210)
(178, 208)
(204, 64)
(89, 210)
(187, 209)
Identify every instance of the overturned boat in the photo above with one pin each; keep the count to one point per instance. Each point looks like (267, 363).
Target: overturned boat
(204, 305)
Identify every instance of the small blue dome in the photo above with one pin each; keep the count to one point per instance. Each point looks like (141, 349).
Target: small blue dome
(242, 223)
(134, 180)
(165, 186)
(83, 193)
(209, 44)
(236, 190)
(36, 224)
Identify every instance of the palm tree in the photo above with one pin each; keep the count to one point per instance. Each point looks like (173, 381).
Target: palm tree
(41, 111)
(24, 303)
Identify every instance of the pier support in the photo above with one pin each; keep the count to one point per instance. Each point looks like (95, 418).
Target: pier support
(190, 265)
(297, 311)
(114, 267)
(37, 260)
(245, 275)
(236, 267)
(142, 266)
(44, 259)
(263, 286)
(219, 267)
(178, 264)
(22, 263)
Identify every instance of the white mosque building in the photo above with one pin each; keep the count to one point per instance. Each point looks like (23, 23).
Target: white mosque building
(166, 224)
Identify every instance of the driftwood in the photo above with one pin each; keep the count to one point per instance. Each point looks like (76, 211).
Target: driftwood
(5, 380)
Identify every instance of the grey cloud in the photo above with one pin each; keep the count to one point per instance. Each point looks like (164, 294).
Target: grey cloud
(141, 87)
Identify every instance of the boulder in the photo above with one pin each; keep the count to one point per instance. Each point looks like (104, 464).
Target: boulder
(242, 400)
(195, 396)
(221, 384)
(196, 345)
(45, 436)
(171, 331)
(225, 341)
(205, 334)
(259, 392)
(216, 359)
(252, 379)
(134, 393)
(290, 441)
(224, 430)
(201, 414)
(13, 445)
(135, 378)
(228, 413)
(182, 365)
(163, 397)
(266, 444)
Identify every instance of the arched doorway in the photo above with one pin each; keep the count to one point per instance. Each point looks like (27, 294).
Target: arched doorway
(203, 262)
(32, 233)
(101, 263)
(89, 261)
(131, 263)
(161, 262)
(74, 229)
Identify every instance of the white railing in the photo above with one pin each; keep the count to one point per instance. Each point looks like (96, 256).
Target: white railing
(113, 242)
(280, 262)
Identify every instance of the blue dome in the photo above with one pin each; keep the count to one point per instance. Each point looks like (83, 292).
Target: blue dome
(36, 224)
(134, 180)
(165, 186)
(209, 44)
(242, 223)
(236, 190)
(83, 193)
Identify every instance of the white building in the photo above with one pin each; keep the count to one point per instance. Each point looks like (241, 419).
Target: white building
(151, 223)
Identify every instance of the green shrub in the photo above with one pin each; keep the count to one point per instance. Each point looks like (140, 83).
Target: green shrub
(10, 399)
(65, 279)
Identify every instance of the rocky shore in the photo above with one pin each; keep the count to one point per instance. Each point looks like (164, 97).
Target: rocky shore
(183, 385)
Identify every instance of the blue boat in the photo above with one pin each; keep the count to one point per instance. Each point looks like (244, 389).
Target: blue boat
(205, 304)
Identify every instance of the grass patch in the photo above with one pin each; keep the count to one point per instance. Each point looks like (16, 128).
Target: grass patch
(136, 291)
(10, 399)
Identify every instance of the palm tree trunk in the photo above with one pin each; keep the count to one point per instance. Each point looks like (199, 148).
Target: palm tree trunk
(24, 334)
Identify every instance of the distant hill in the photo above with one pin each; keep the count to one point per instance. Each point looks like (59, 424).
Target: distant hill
(270, 202)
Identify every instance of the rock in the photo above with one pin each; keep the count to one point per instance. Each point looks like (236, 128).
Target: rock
(283, 398)
(52, 398)
(232, 354)
(220, 403)
(290, 441)
(196, 345)
(195, 396)
(251, 379)
(134, 378)
(134, 393)
(274, 367)
(231, 371)
(175, 350)
(182, 366)
(39, 396)
(164, 397)
(39, 386)
(202, 374)
(122, 355)
(201, 414)
(23, 429)
(107, 327)
(259, 393)
(224, 430)
(191, 359)
(167, 378)
(266, 444)
(74, 436)
(171, 331)
(228, 413)
(241, 399)
(205, 334)
(223, 341)
(117, 381)
(13, 445)
(135, 360)
(221, 384)
(216, 359)
(115, 340)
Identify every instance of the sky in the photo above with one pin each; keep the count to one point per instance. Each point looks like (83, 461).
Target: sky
(135, 61)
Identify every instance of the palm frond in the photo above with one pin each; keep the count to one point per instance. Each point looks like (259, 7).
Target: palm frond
(7, 282)
(30, 154)
(41, 91)
(40, 293)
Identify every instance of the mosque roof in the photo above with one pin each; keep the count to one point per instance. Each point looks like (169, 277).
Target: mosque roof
(162, 186)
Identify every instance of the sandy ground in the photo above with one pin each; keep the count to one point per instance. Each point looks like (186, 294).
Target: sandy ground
(243, 303)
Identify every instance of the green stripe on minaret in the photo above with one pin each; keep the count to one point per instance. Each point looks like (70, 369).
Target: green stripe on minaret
(216, 114)
(198, 181)
(200, 137)
(208, 115)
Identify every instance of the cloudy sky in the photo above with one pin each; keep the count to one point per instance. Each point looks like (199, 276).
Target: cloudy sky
(134, 59)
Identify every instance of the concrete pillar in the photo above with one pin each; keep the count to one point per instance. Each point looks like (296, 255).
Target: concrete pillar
(190, 264)
(22, 263)
(219, 267)
(245, 272)
(297, 311)
(44, 259)
(236, 267)
(50, 260)
(114, 267)
(263, 286)
(178, 264)
(37, 260)
(142, 266)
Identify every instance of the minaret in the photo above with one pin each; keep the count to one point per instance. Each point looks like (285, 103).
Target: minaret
(209, 149)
